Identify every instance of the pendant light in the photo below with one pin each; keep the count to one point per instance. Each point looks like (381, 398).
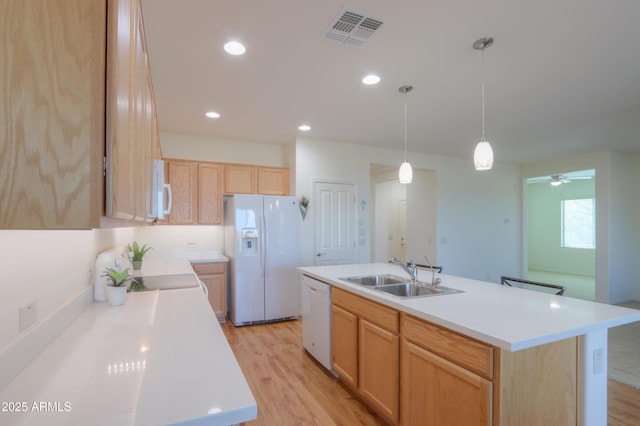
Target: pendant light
(483, 154)
(405, 174)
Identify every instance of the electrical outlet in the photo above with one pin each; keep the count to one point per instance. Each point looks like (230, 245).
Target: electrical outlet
(598, 361)
(28, 315)
(191, 244)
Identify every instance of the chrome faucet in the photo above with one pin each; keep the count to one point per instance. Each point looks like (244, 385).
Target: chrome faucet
(410, 268)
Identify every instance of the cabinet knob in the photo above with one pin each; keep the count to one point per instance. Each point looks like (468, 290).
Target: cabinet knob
(318, 254)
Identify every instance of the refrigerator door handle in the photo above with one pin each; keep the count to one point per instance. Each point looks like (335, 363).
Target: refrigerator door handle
(263, 252)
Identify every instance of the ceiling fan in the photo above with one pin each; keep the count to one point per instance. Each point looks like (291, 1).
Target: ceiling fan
(556, 180)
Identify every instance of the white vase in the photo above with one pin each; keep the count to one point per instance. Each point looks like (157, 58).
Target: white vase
(116, 295)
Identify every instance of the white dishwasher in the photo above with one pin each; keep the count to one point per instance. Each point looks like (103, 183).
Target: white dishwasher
(316, 319)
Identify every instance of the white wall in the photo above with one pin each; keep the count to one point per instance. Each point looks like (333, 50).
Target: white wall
(223, 151)
(635, 231)
(171, 237)
(422, 217)
(478, 212)
(50, 267)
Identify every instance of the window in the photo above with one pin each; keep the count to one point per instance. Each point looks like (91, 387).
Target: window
(579, 223)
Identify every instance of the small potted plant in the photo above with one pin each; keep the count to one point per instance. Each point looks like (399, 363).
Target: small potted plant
(116, 289)
(303, 204)
(136, 253)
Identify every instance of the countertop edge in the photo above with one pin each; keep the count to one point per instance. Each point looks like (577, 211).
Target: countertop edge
(512, 346)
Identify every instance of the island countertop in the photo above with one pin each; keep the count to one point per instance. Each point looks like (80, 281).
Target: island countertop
(161, 358)
(507, 317)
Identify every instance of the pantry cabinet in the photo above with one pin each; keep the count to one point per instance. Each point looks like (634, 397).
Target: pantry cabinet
(366, 350)
(214, 277)
(53, 104)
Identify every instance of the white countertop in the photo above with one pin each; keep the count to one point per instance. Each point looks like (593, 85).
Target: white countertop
(507, 317)
(160, 358)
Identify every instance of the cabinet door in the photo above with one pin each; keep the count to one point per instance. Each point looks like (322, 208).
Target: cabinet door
(344, 345)
(273, 181)
(52, 113)
(217, 289)
(379, 369)
(183, 177)
(239, 179)
(210, 193)
(438, 392)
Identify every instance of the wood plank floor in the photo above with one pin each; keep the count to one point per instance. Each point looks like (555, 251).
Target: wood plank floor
(291, 388)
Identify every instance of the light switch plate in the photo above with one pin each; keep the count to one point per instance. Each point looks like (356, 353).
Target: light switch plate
(28, 315)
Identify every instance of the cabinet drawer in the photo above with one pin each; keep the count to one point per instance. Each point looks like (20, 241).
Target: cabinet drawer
(373, 312)
(209, 268)
(468, 353)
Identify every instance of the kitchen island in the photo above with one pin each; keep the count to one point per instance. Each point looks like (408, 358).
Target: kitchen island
(161, 358)
(518, 330)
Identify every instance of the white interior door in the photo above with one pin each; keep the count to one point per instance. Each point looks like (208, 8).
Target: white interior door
(335, 223)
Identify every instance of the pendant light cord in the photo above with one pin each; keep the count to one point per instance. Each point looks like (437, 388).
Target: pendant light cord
(405, 127)
(483, 94)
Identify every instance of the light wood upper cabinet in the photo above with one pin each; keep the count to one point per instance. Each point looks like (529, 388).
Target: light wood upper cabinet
(52, 125)
(183, 177)
(197, 192)
(240, 179)
(273, 181)
(210, 193)
(132, 140)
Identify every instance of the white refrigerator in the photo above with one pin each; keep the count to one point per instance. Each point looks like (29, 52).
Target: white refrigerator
(261, 242)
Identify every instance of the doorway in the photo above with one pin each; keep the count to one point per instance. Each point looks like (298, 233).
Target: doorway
(561, 229)
(404, 217)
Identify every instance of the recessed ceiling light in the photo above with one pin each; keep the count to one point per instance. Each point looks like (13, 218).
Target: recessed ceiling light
(371, 79)
(234, 48)
(212, 114)
(304, 127)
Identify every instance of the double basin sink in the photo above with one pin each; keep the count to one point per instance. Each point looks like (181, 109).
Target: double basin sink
(398, 286)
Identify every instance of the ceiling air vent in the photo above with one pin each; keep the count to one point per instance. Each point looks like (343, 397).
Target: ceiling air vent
(352, 27)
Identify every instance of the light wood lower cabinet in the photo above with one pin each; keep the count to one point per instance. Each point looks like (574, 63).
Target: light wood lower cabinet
(438, 392)
(344, 344)
(214, 276)
(378, 367)
(413, 372)
(366, 350)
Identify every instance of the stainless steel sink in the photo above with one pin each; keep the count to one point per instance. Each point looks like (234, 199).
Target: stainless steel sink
(376, 280)
(408, 289)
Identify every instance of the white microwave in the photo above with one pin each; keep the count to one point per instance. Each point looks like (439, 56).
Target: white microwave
(160, 188)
